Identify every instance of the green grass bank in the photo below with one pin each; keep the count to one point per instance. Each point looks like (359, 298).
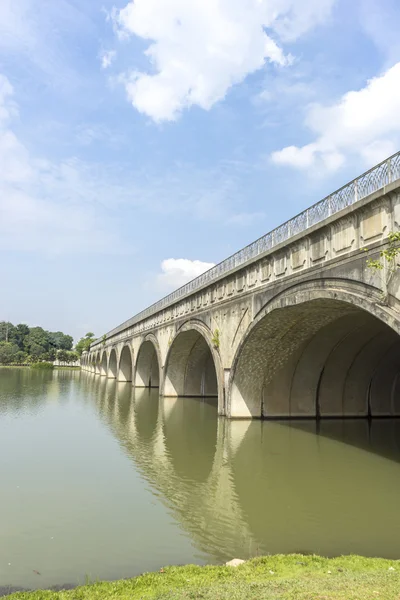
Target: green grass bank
(293, 577)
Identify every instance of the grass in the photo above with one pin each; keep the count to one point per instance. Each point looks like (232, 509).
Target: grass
(293, 577)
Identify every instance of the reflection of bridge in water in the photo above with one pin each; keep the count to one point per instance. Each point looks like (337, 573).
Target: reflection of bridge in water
(239, 488)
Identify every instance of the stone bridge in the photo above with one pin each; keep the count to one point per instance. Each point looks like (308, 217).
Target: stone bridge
(294, 325)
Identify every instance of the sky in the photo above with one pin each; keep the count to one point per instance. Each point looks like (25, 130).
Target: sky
(143, 141)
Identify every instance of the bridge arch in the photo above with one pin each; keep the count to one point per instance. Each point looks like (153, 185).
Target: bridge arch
(98, 365)
(104, 364)
(319, 349)
(112, 371)
(125, 368)
(148, 364)
(193, 366)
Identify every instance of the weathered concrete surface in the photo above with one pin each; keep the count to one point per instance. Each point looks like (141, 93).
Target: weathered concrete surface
(303, 330)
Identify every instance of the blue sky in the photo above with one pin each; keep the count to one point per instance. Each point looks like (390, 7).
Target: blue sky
(139, 140)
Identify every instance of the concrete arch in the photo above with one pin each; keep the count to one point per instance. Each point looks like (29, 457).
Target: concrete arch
(112, 370)
(193, 365)
(93, 363)
(104, 364)
(125, 367)
(98, 360)
(318, 350)
(148, 364)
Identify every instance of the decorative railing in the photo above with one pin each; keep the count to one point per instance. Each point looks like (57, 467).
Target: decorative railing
(373, 180)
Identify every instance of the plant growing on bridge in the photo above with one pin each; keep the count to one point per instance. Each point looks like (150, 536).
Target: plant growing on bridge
(215, 339)
(387, 263)
(104, 339)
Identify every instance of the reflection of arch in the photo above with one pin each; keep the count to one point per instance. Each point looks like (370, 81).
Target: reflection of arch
(193, 366)
(148, 364)
(191, 449)
(103, 364)
(146, 406)
(318, 350)
(125, 365)
(112, 365)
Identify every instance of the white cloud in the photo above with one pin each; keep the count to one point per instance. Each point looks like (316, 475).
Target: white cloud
(364, 123)
(199, 49)
(107, 58)
(46, 206)
(178, 271)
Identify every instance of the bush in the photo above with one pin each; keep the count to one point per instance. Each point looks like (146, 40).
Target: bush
(42, 365)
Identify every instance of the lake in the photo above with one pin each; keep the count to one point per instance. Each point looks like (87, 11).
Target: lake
(101, 482)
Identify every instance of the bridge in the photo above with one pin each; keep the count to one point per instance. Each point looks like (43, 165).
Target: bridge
(295, 325)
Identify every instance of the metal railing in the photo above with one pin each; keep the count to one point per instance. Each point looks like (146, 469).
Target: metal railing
(361, 187)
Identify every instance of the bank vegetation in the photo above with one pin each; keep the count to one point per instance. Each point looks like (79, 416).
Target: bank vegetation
(294, 577)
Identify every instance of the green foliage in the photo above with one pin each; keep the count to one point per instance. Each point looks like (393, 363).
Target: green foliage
(7, 331)
(84, 343)
(42, 365)
(61, 341)
(30, 344)
(8, 353)
(387, 263)
(67, 356)
(292, 577)
(388, 257)
(215, 339)
(104, 339)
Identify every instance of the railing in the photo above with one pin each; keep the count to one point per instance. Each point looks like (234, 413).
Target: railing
(371, 181)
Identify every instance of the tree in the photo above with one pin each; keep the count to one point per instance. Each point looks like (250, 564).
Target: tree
(84, 343)
(8, 353)
(20, 333)
(6, 331)
(67, 356)
(37, 342)
(21, 358)
(72, 356)
(36, 351)
(34, 343)
(60, 341)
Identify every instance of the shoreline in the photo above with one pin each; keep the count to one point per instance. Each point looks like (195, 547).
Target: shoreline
(270, 577)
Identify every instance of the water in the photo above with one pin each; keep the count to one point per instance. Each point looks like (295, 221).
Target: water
(98, 482)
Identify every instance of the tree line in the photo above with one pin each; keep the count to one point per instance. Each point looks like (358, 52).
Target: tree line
(21, 344)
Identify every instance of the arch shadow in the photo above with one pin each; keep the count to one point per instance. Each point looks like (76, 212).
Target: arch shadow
(112, 365)
(148, 364)
(319, 349)
(193, 366)
(125, 370)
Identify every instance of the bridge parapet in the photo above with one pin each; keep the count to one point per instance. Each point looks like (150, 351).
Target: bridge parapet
(359, 225)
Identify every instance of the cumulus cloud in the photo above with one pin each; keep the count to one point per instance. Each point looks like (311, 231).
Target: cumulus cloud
(364, 122)
(178, 271)
(199, 49)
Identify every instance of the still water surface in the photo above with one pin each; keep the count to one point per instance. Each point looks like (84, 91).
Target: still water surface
(99, 482)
